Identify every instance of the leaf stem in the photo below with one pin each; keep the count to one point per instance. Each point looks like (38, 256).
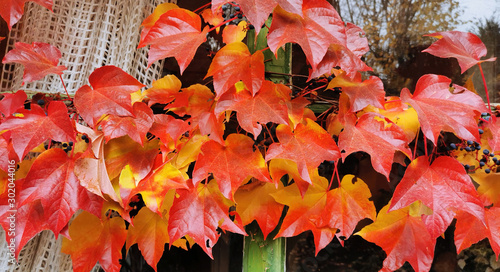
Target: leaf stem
(415, 147)
(221, 24)
(285, 74)
(425, 145)
(202, 7)
(485, 87)
(66, 90)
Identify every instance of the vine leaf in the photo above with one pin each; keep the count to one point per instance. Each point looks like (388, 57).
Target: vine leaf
(346, 206)
(111, 92)
(212, 18)
(319, 27)
(32, 127)
(493, 133)
(163, 90)
(302, 212)
(403, 236)
(234, 33)
(377, 136)
(443, 186)
(439, 109)
(268, 105)
(52, 180)
(470, 230)
(234, 63)
(361, 93)
(488, 187)
(466, 47)
(231, 165)
(264, 209)
(39, 60)
(11, 102)
(12, 10)
(177, 33)
(135, 127)
(308, 146)
(93, 240)
(150, 21)
(198, 212)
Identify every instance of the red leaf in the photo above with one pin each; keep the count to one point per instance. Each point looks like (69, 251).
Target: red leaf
(135, 127)
(268, 105)
(93, 240)
(198, 212)
(308, 146)
(231, 165)
(443, 186)
(177, 33)
(39, 60)
(34, 127)
(403, 237)
(12, 10)
(11, 102)
(493, 133)
(467, 48)
(439, 109)
(163, 90)
(361, 93)
(234, 63)
(52, 180)
(110, 94)
(377, 136)
(470, 230)
(319, 27)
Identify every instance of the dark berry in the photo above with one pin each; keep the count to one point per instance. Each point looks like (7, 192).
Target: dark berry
(330, 78)
(469, 142)
(69, 148)
(481, 164)
(231, 16)
(467, 167)
(487, 170)
(70, 143)
(251, 27)
(481, 131)
(486, 152)
(40, 102)
(240, 15)
(64, 145)
(237, 8)
(492, 155)
(453, 146)
(497, 162)
(467, 148)
(495, 159)
(478, 147)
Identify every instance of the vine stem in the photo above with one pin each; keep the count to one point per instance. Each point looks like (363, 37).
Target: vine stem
(66, 90)
(221, 24)
(202, 7)
(485, 87)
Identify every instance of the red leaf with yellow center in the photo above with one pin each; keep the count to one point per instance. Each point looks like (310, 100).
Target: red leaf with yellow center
(346, 206)
(135, 127)
(361, 93)
(268, 105)
(32, 127)
(111, 92)
(319, 27)
(234, 63)
(375, 135)
(439, 109)
(254, 202)
(403, 237)
(198, 212)
(308, 146)
(232, 164)
(150, 21)
(163, 90)
(443, 186)
(52, 180)
(302, 212)
(466, 47)
(93, 240)
(177, 33)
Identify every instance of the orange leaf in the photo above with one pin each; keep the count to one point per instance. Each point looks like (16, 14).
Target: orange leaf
(93, 240)
(198, 212)
(234, 33)
(135, 127)
(212, 18)
(232, 164)
(163, 90)
(150, 21)
(234, 63)
(470, 230)
(489, 187)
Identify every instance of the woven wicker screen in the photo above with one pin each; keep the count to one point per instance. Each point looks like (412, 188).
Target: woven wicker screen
(90, 34)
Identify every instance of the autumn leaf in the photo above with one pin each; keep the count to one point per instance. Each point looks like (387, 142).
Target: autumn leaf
(403, 237)
(52, 180)
(263, 209)
(346, 206)
(231, 165)
(493, 133)
(150, 232)
(439, 109)
(442, 185)
(297, 111)
(39, 60)
(11, 102)
(319, 27)
(32, 127)
(163, 90)
(150, 21)
(234, 33)
(302, 212)
(268, 105)
(234, 63)
(308, 146)
(466, 47)
(198, 212)
(488, 187)
(470, 230)
(135, 127)
(168, 128)
(378, 137)
(212, 18)
(177, 33)
(12, 10)
(280, 167)
(93, 240)
(360, 93)
(110, 94)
